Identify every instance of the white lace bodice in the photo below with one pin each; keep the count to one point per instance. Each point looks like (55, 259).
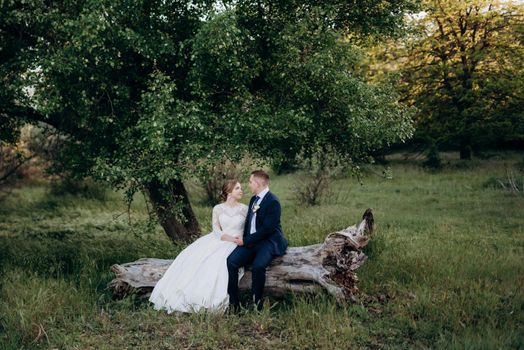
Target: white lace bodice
(229, 220)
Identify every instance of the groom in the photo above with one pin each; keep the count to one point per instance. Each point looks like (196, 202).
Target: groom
(262, 241)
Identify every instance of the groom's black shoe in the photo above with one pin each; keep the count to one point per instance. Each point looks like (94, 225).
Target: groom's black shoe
(234, 309)
(259, 305)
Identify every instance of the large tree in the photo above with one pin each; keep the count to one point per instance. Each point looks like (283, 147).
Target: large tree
(142, 89)
(463, 68)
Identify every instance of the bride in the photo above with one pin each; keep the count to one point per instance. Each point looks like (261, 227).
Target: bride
(198, 277)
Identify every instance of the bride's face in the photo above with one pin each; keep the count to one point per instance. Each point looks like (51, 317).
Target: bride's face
(237, 192)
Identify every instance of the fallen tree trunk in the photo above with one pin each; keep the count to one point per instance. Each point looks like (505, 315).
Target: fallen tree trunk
(328, 266)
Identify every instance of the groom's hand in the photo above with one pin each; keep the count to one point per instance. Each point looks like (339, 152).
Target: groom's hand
(239, 241)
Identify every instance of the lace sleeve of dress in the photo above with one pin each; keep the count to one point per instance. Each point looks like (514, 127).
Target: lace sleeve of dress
(244, 208)
(217, 229)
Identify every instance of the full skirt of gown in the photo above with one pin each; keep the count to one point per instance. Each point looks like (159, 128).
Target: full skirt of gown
(197, 279)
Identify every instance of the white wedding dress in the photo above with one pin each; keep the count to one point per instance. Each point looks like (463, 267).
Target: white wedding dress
(197, 279)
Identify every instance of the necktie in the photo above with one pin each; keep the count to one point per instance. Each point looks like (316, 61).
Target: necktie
(252, 215)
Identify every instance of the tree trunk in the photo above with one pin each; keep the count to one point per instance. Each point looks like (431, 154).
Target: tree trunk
(465, 149)
(165, 198)
(324, 267)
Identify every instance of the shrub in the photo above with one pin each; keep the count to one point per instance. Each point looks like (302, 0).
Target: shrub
(433, 161)
(510, 183)
(313, 184)
(85, 188)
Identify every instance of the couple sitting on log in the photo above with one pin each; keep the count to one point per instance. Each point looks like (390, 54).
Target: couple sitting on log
(207, 272)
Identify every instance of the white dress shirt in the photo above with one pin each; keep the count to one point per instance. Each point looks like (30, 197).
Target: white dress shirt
(261, 195)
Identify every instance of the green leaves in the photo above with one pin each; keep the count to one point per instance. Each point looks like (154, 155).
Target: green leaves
(144, 89)
(464, 72)
(345, 112)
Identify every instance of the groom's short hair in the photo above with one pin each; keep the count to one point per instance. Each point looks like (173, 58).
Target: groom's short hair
(261, 174)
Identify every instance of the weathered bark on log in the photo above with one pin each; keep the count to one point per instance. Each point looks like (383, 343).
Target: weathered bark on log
(328, 266)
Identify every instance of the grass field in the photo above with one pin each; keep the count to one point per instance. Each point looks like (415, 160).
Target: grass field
(445, 268)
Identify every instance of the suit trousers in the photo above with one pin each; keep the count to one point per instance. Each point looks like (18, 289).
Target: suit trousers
(259, 256)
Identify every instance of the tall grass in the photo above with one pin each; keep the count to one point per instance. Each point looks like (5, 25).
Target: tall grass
(445, 268)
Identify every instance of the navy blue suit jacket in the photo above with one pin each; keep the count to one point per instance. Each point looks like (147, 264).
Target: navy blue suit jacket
(267, 224)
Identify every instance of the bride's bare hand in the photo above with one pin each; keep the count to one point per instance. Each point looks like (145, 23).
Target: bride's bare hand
(239, 241)
(226, 237)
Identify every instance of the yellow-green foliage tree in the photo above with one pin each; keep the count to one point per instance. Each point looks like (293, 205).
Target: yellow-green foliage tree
(462, 67)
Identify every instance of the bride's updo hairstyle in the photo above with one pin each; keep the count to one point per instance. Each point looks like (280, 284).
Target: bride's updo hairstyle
(227, 188)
